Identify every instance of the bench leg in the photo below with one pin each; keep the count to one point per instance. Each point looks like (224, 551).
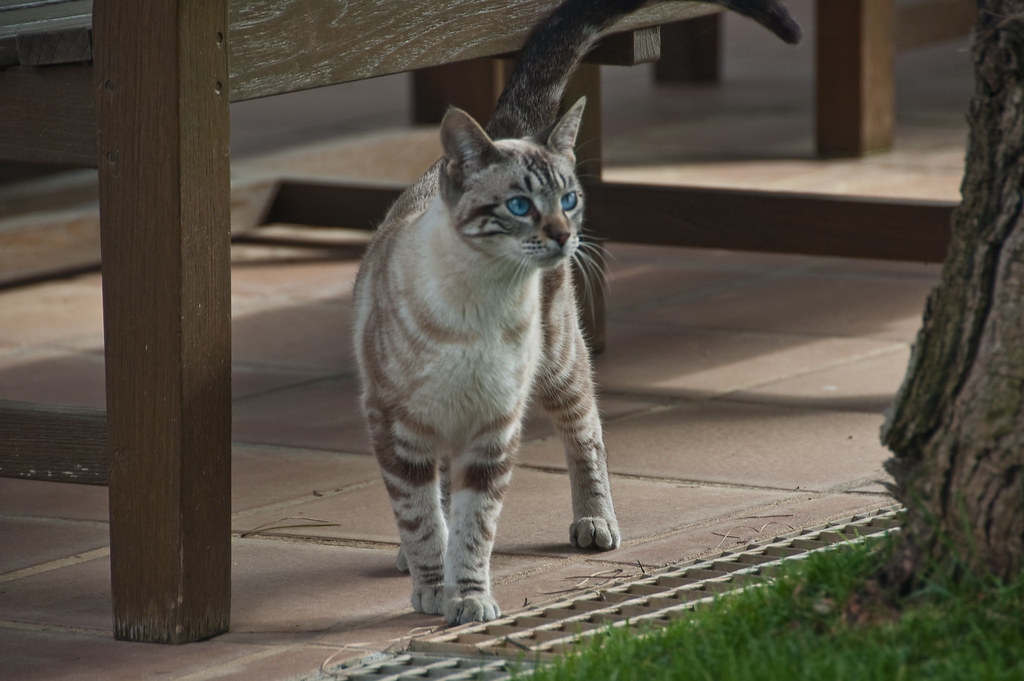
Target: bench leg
(161, 70)
(854, 76)
(474, 86)
(690, 51)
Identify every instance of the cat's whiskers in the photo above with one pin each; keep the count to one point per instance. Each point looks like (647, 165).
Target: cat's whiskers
(587, 258)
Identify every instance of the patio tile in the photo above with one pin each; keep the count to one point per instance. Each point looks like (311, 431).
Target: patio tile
(267, 476)
(735, 531)
(284, 588)
(538, 511)
(811, 303)
(671, 361)
(347, 596)
(56, 376)
(321, 415)
(249, 381)
(359, 514)
(56, 312)
(39, 499)
(737, 443)
(302, 336)
(274, 663)
(743, 264)
(29, 542)
(261, 273)
(75, 596)
(868, 385)
(632, 286)
(535, 518)
(60, 655)
(53, 377)
(390, 632)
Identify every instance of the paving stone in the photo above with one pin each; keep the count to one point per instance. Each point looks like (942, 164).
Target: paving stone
(658, 360)
(718, 441)
(325, 414)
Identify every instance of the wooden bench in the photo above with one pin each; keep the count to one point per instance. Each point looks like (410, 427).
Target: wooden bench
(141, 91)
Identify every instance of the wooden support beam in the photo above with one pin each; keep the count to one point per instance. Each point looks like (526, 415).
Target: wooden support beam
(691, 51)
(473, 86)
(161, 78)
(58, 444)
(854, 77)
(329, 204)
(777, 222)
(740, 219)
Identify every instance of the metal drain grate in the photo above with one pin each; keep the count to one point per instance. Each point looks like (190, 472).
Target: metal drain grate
(492, 651)
(658, 598)
(424, 666)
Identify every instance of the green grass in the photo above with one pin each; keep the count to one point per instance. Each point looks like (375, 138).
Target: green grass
(795, 629)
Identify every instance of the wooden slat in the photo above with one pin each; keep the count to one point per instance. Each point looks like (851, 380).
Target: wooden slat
(41, 127)
(45, 32)
(26, 17)
(271, 51)
(772, 221)
(161, 74)
(854, 81)
(55, 46)
(59, 444)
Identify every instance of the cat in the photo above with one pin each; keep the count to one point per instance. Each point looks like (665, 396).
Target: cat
(465, 308)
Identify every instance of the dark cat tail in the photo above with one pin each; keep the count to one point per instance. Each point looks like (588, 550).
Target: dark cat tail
(770, 14)
(531, 99)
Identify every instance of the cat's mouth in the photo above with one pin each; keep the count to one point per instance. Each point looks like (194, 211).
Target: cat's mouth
(556, 255)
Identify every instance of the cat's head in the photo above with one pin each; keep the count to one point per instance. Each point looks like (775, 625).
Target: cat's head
(517, 200)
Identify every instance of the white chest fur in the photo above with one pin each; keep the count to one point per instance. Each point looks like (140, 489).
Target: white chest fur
(468, 327)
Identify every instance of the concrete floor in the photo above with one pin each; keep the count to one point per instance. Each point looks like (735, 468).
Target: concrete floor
(742, 392)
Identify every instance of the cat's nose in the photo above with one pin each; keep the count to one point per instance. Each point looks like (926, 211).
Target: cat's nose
(559, 236)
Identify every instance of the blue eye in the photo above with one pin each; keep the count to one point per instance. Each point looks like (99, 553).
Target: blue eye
(519, 205)
(569, 201)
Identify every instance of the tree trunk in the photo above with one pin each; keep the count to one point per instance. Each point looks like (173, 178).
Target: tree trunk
(957, 428)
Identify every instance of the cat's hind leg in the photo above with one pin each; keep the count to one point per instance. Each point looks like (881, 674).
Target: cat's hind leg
(566, 389)
(410, 473)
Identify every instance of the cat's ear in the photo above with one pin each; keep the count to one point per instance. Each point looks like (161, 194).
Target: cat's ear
(562, 137)
(467, 148)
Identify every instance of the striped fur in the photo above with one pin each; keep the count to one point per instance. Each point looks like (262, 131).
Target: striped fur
(465, 308)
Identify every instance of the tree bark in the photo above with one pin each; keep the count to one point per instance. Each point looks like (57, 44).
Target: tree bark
(957, 428)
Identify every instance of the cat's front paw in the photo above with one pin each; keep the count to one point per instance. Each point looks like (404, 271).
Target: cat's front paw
(595, 533)
(474, 608)
(428, 599)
